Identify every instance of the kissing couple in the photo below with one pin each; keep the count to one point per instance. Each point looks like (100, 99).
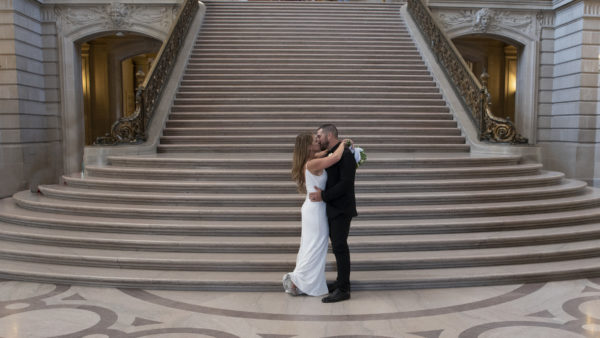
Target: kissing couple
(324, 169)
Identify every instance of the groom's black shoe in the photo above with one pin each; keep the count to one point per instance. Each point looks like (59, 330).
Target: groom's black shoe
(333, 286)
(336, 296)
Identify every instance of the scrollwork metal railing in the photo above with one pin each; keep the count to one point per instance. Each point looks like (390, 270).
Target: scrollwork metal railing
(132, 129)
(475, 95)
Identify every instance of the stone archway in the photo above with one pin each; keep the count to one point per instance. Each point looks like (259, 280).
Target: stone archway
(104, 79)
(80, 23)
(499, 59)
(520, 28)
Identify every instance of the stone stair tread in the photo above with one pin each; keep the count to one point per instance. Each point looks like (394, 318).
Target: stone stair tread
(200, 147)
(38, 202)
(271, 281)
(245, 142)
(307, 50)
(262, 45)
(290, 115)
(310, 82)
(186, 88)
(407, 171)
(473, 184)
(445, 159)
(83, 256)
(66, 192)
(288, 120)
(482, 238)
(380, 156)
(10, 212)
(302, 94)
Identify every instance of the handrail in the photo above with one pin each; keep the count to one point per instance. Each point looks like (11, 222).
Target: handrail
(132, 129)
(475, 95)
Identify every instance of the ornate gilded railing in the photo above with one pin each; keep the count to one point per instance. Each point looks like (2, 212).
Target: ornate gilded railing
(475, 95)
(132, 129)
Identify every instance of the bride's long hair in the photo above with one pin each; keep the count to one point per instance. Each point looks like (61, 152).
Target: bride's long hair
(301, 156)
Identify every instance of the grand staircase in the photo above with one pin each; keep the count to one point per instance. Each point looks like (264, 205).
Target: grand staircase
(215, 208)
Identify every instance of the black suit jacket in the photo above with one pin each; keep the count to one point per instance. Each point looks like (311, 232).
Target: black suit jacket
(339, 189)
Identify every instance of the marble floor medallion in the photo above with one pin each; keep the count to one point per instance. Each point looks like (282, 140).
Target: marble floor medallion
(557, 309)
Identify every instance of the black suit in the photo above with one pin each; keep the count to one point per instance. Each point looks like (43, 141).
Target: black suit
(341, 207)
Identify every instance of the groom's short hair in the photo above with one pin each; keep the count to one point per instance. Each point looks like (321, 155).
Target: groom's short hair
(329, 129)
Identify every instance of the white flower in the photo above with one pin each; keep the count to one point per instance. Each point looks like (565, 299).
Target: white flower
(359, 155)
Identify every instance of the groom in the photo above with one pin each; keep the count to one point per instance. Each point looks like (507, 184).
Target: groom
(341, 207)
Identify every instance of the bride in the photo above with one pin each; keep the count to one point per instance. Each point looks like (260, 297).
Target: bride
(308, 170)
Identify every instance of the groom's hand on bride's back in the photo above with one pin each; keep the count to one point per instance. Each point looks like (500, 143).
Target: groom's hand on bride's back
(315, 196)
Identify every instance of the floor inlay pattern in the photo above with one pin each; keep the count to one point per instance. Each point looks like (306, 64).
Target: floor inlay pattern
(557, 309)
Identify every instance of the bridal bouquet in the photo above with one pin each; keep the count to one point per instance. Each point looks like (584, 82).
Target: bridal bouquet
(359, 154)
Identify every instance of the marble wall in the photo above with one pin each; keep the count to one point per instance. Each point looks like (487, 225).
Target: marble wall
(40, 103)
(569, 99)
(30, 141)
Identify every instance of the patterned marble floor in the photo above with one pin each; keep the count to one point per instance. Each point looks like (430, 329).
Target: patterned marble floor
(557, 309)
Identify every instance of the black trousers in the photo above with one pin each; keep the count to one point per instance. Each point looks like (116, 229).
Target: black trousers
(339, 228)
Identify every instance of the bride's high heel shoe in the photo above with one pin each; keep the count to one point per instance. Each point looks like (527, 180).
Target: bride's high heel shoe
(289, 286)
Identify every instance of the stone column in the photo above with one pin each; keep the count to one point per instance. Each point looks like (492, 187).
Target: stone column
(569, 106)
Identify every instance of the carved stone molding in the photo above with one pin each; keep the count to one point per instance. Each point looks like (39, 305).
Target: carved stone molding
(114, 16)
(492, 21)
(592, 9)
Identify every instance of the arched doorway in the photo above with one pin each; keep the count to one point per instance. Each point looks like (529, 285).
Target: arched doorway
(500, 59)
(111, 68)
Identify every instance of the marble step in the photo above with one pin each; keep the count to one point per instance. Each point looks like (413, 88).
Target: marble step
(251, 53)
(344, 30)
(427, 88)
(300, 124)
(353, 82)
(271, 281)
(315, 61)
(316, 16)
(517, 240)
(293, 116)
(306, 39)
(291, 199)
(361, 261)
(397, 42)
(48, 224)
(295, 108)
(292, 18)
(278, 187)
(203, 70)
(299, 20)
(287, 95)
(316, 45)
(361, 7)
(364, 11)
(400, 105)
(347, 130)
(366, 174)
(376, 161)
(246, 147)
(306, 20)
(27, 200)
(209, 78)
(272, 139)
(344, 12)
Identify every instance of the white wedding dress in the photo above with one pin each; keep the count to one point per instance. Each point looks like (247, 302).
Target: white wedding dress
(309, 274)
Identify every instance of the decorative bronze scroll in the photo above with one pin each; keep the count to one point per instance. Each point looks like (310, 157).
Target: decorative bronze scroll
(132, 129)
(475, 95)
